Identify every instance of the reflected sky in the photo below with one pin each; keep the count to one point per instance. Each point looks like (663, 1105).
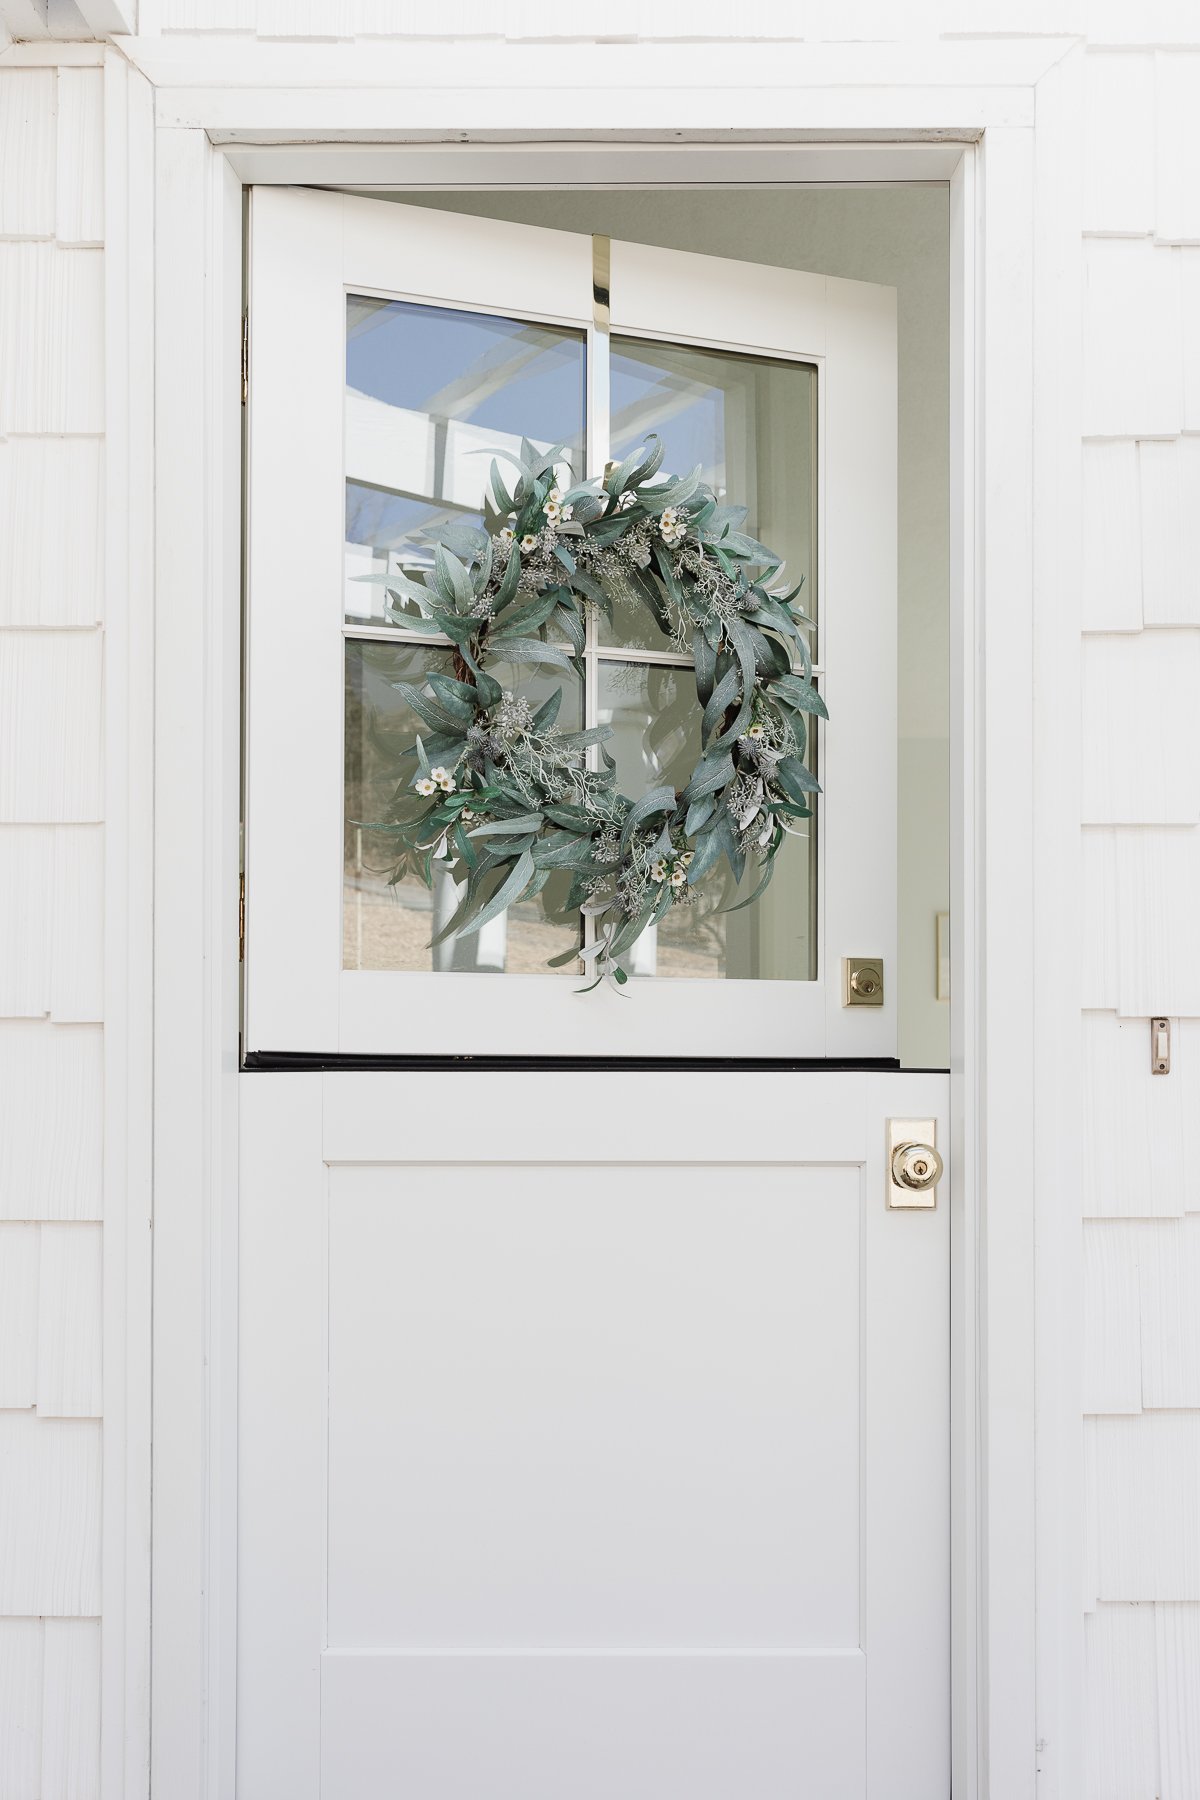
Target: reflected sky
(511, 376)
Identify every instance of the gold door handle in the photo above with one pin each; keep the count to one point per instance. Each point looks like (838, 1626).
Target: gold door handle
(916, 1166)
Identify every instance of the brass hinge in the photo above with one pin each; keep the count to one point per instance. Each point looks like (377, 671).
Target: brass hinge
(245, 356)
(241, 918)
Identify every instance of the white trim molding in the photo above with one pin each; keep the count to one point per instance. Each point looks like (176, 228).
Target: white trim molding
(128, 915)
(995, 121)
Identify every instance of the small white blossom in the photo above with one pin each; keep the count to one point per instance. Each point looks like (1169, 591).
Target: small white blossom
(425, 786)
(467, 816)
(686, 858)
(566, 513)
(553, 512)
(554, 496)
(658, 870)
(506, 534)
(448, 785)
(678, 877)
(439, 774)
(529, 542)
(756, 732)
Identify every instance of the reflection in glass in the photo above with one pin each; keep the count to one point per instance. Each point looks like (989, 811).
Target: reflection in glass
(389, 927)
(656, 724)
(748, 422)
(427, 388)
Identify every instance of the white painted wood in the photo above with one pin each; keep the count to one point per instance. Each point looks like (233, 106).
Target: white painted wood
(1142, 776)
(1133, 1128)
(1099, 948)
(71, 1710)
(1170, 532)
(1119, 192)
(76, 896)
(1131, 395)
(49, 726)
(319, 19)
(1177, 146)
(51, 918)
(1122, 1689)
(124, 1761)
(18, 1315)
(1177, 1630)
(50, 1148)
(1168, 1256)
(79, 210)
(51, 519)
(1147, 1476)
(1189, 263)
(1112, 542)
(205, 15)
(49, 1515)
(51, 339)
(609, 1551)
(1112, 1318)
(68, 1333)
(660, 1724)
(20, 1708)
(27, 98)
(301, 242)
(1157, 876)
(196, 498)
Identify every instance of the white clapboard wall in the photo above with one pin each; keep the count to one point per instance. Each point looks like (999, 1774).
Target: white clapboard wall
(51, 872)
(1138, 907)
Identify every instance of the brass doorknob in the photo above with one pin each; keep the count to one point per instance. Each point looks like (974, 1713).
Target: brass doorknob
(916, 1166)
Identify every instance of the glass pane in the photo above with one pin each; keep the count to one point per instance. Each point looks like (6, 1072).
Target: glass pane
(427, 388)
(389, 927)
(656, 725)
(748, 422)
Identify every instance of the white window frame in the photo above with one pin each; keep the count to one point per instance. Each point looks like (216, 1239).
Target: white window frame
(999, 122)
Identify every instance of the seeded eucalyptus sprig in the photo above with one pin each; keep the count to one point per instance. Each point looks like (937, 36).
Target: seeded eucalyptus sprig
(504, 796)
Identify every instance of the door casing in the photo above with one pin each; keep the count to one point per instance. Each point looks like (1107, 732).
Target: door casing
(1016, 1698)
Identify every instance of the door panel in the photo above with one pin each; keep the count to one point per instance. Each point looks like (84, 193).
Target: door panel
(389, 345)
(590, 1460)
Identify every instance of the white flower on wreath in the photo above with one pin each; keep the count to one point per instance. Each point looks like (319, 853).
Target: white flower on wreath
(425, 786)
(658, 870)
(756, 732)
(529, 542)
(506, 534)
(678, 876)
(444, 779)
(553, 512)
(467, 816)
(673, 524)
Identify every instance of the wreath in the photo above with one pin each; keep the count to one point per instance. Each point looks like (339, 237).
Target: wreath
(505, 796)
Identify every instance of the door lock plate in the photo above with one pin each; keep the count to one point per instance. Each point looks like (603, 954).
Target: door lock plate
(914, 1167)
(862, 978)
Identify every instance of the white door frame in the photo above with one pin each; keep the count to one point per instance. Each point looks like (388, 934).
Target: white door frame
(999, 123)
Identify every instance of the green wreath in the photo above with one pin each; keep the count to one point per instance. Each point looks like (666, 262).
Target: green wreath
(505, 796)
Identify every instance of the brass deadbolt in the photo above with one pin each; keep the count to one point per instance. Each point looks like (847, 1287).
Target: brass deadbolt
(863, 981)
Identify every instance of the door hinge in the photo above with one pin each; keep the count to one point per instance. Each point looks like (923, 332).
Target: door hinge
(241, 918)
(245, 356)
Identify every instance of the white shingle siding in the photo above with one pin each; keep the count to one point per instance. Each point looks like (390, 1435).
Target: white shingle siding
(51, 528)
(51, 928)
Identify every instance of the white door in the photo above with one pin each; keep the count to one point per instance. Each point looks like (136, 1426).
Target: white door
(593, 1426)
